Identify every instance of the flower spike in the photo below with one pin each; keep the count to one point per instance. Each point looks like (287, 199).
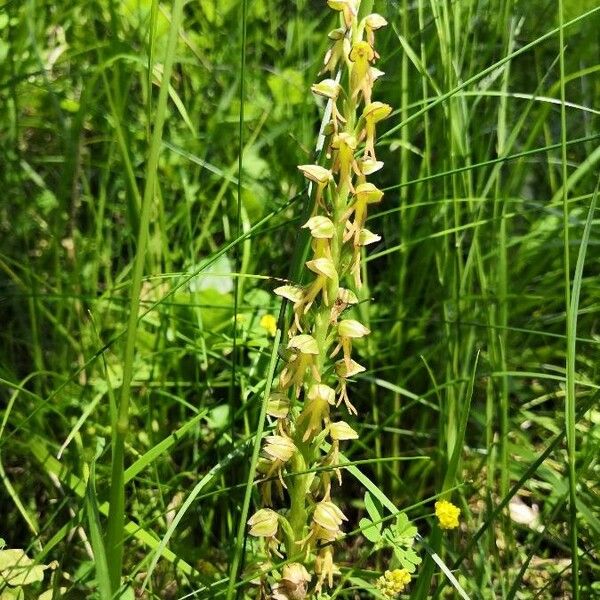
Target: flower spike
(301, 455)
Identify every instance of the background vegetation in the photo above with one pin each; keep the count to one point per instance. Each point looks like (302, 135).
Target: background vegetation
(490, 181)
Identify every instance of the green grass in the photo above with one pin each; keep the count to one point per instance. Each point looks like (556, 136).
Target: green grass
(151, 200)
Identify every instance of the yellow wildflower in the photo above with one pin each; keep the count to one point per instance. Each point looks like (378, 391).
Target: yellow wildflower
(447, 514)
(393, 582)
(269, 323)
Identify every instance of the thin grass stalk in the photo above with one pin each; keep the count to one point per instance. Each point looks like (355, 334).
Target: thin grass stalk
(237, 228)
(474, 78)
(116, 518)
(571, 324)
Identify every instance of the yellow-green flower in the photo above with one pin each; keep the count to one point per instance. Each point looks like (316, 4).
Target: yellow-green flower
(447, 514)
(393, 582)
(329, 517)
(293, 583)
(269, 323)
(264, 523)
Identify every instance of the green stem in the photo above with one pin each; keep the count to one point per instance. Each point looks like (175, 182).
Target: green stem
(298, 510)
(571, 325)
(116, 516)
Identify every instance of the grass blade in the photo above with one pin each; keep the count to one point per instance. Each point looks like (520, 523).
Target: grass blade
(116, 518)
(95, 528)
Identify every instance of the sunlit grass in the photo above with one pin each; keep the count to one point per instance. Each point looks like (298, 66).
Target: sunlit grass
(482, 364)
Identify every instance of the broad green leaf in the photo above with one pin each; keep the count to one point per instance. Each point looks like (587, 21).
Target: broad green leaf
(16, 568)
(13, 594)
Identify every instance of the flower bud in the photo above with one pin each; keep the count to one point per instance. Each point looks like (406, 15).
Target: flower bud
(336, 34)
(293, 293)
(264, 523)
(320, 227)
(328, 88)
(328, 516)
(346, 7)
(295, 573)
(375, 21)
(344, 141)
(279, 447)
(368, 166)
(345, 371)
(278, 405)
(367, 192)
(342, 431)
(347, 296)
(366, 237)
(320, 391)
(292, 585)
(323, 266)
(352, 329)
(304, 343)
(377, 111)
(316, 173)
(376, 73)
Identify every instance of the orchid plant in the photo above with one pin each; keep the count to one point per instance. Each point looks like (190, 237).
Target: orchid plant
(303, 451)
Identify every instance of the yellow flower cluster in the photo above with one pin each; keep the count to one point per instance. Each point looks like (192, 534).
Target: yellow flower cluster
(393, 582)
(318, 352)
(447, 514)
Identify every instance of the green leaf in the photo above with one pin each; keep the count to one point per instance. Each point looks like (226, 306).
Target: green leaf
(16, 568)
(373, 508)
(13, 594)
(407, 558)
(404, 531)
(371, 531)
(100, 560)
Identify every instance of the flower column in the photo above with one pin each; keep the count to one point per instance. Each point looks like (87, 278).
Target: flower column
(299, 458)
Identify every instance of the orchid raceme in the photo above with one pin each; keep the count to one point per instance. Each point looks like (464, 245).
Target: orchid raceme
(308, 420)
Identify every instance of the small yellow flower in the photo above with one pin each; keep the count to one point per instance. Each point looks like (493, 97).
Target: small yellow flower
(325, 568)
(393, 582)
(447, 514)
(269, 322)
(372, 114)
